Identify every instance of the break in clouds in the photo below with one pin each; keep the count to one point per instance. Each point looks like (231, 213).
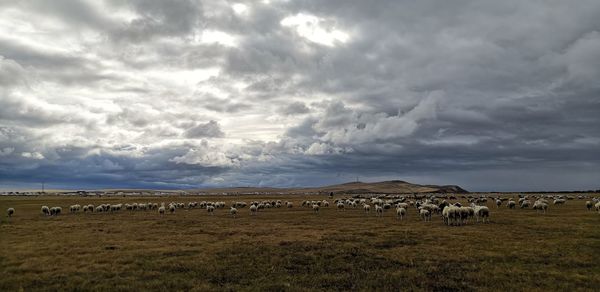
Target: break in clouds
(490, 95)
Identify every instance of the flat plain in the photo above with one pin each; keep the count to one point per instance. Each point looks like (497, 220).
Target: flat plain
(292, 249)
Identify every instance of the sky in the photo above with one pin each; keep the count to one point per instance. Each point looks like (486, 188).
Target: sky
(488, 95)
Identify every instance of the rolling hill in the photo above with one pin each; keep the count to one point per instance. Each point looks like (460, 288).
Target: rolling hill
(384, 187)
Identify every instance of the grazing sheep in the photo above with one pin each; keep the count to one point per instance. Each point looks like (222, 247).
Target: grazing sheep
(378, 210)
(289, 204)
(559, 202)
(481, 212)
(115, 208)
(498, 203)
(45, 210)
(451, 215)
(99, 209)
(511, 204)
(233, 212)
(540, 205)
(210, 209)
(10, 211)
(367, 208)
(525, 204)
(161, 210)
(325, 203)
(400, 212)
(91, 208)
(340, 206)
(402, 205)
(589, 205)
(465, 213)
(253, 209)
(597, 207)
(315, 208)
(172, 208)
(425, 214)
(55, 210)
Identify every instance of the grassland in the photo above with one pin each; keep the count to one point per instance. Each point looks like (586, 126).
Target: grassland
(293, 249)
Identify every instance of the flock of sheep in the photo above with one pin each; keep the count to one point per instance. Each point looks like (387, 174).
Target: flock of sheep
(454, 214)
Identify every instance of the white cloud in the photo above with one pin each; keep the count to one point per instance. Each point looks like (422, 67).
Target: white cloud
(33, 155)
(240, 8)
(315, 30)
(216, 37)
(208, 156)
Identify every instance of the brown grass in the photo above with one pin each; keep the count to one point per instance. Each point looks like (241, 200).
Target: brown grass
(293, 249)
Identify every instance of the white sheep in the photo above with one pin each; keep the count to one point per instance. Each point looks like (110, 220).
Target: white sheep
(498, 203)
(253, 209)
(55, 210)
(400, 212)
(559, 202)
(233, 212)
(289, 204)
(115, 208)
(99, 209)
(464, 214)
(511, 204)
(540, 205)
(210, 209)
(597, 207)
(10, 211)
(340, 206)
(589, 205)
(161, 210)
(367, 208)
(481, 212)
(45, 210)
(378, 210)
(315, 208)
(425, 214)
(172, 208)
(402, 205)
(451, 215)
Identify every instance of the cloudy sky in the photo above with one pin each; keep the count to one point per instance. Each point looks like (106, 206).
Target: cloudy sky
(489, 95)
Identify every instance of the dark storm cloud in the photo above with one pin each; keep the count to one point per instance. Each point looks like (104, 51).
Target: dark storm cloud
(485, 94)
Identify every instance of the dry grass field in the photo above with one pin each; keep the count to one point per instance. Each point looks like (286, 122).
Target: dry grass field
(293, 249)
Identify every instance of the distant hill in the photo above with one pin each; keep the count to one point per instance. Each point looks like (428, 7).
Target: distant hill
(384, 187)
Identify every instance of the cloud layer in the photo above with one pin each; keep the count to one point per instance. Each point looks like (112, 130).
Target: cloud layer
(491, 95)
